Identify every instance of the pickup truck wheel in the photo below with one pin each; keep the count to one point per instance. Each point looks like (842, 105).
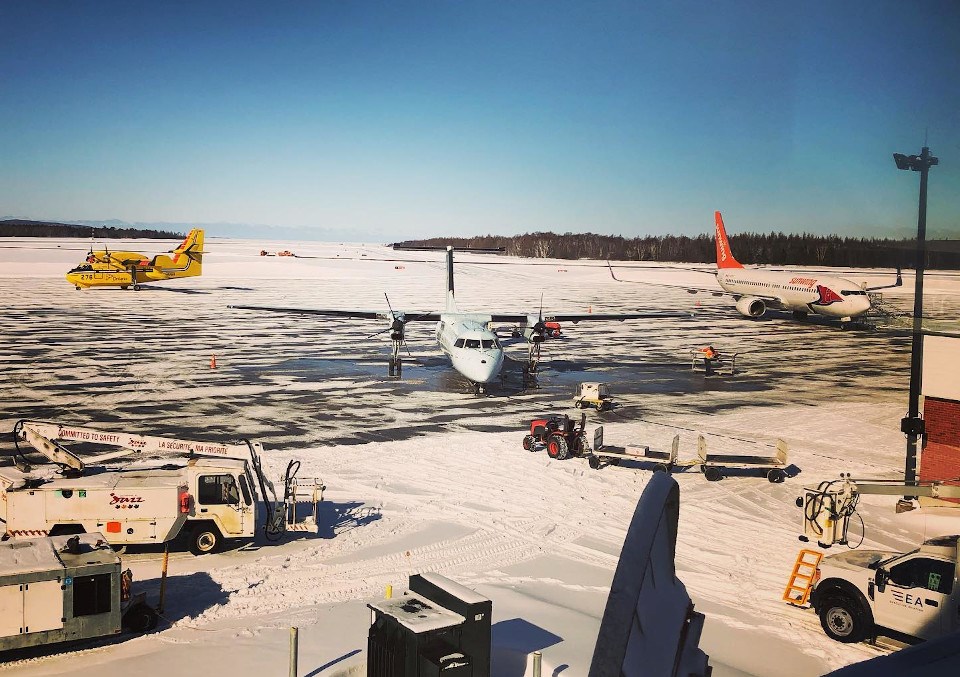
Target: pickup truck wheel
(204, 539)
(843, 619)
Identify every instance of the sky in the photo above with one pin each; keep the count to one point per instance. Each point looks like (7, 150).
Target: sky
(392, 120)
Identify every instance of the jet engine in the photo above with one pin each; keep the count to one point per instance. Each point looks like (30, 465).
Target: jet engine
(751, 306)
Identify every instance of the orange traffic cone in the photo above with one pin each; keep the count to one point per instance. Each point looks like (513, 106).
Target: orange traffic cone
(213, 361)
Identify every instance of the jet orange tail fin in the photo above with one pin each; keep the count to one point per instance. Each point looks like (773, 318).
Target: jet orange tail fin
(724, 255)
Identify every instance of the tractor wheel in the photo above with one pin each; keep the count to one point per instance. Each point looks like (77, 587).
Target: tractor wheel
(528, 441)
(594, 462)
(712, 474)
(557, 447)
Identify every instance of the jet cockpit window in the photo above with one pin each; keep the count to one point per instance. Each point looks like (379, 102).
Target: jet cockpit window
(487, 343)
(458, 344)
(473, 343)
(853, 292)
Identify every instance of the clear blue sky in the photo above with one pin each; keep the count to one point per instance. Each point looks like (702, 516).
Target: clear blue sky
(397, 119)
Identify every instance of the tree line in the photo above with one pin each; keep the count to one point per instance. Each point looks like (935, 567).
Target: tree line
(22, 228)
(805, 249)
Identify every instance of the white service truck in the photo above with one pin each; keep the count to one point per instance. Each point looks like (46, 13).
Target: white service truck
(208, 490)
(861, 593)
(915, 593)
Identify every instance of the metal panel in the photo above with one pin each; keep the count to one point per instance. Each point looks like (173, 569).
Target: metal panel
(42, 606)
(11, 610)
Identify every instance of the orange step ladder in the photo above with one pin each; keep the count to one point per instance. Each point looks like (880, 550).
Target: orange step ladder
(801, 579)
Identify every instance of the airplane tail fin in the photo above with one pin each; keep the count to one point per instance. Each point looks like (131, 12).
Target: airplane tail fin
(724, 255)
(451, 301)
(186, 260)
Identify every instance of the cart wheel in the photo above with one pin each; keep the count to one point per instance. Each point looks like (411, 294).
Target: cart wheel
(122, 286)
(140, 618)
(557, 447)
(136, 287)
(613, 461)
(712, 474)
(594, 462)
(528, 442)
(776, 476)
(578, 404)
(660, 467)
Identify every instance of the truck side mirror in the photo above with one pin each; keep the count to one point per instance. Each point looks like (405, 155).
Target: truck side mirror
(881, 579)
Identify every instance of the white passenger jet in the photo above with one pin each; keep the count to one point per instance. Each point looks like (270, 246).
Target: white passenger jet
(465, 338)
(755, 290)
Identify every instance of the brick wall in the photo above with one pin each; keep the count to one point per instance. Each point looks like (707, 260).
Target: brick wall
(940, 457)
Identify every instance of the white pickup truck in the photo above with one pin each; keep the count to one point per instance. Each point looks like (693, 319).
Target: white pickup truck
(861, 592)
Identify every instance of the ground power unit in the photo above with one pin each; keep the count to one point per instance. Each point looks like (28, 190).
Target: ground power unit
(439, 628)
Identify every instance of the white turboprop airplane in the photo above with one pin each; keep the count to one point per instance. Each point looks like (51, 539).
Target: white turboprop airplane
(755, 290)
(465, 338)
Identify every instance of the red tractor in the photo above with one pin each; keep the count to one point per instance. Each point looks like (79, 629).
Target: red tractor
(561, 435)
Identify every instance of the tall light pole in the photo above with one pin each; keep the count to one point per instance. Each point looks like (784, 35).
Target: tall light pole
(912, 424)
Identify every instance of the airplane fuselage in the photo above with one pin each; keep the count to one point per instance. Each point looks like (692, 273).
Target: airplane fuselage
(473, 349)
(834, 297)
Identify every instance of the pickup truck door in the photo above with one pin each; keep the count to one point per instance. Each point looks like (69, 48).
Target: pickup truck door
(917, 599)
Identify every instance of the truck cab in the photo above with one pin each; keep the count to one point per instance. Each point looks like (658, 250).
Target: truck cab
(915, 594)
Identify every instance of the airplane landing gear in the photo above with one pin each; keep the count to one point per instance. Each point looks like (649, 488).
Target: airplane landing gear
(396, 364)
(533, 357)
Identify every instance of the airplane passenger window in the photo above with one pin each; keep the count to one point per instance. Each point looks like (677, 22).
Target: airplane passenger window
(473, 343)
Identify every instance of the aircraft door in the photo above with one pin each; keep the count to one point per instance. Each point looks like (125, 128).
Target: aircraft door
(218, 497)
(917, 597)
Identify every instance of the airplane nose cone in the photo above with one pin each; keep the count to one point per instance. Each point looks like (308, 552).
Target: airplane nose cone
(484, 367)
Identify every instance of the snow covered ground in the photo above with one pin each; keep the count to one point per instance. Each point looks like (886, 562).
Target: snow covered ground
(424, 476)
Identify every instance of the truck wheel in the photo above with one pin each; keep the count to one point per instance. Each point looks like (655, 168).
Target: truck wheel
(712, 474)
(843, 619)
(204, 539)
(528, 441)
(140, 618)
(557, 447)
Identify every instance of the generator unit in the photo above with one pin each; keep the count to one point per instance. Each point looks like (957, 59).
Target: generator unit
(63, 588)
(438, 629)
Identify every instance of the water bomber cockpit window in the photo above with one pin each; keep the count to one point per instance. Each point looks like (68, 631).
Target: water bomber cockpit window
(477, 344)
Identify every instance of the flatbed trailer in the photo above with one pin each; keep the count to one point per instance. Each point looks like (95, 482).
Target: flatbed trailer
(662, 461)
(713, 466)
(726, 363)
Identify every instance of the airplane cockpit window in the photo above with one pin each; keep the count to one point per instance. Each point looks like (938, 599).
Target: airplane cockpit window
(473, 343)
(458, 344)
(853, 292)
(487, 343)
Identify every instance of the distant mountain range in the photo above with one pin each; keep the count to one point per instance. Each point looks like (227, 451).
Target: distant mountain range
(178, 230)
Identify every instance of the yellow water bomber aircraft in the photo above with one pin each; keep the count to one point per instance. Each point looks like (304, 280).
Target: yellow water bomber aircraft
(124, 269)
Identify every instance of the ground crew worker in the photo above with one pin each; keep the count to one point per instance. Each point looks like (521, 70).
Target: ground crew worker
(710, 355)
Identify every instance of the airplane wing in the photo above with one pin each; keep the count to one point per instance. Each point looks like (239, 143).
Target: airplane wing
(772, 301)
(620, 317)
(354, 314)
